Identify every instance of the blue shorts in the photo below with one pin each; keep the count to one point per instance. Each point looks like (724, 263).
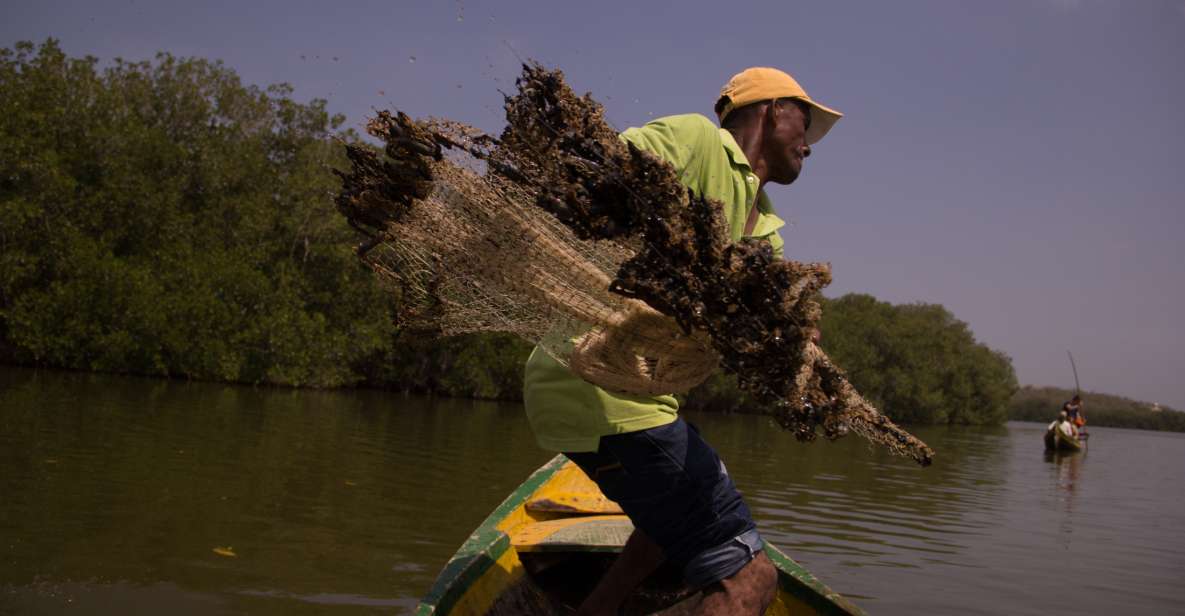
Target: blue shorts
(675, 489)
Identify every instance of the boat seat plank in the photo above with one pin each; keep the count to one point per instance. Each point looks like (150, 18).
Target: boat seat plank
(595, 533)
(571, 491)
(588, 503)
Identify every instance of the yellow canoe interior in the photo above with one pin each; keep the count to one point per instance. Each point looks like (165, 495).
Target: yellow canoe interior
(545, 547)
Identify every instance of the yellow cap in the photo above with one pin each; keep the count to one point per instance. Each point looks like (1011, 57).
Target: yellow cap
(760, 83)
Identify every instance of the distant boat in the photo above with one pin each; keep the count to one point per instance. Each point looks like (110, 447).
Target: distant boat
(544, 548)
(1056, 440)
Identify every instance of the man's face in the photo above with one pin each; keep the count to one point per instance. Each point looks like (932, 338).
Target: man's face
(785, 142)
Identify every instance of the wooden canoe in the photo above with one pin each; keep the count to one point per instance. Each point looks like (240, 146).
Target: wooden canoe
(542, 550)
(1056, 440)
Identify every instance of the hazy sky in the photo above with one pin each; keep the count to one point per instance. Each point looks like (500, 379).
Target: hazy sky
(1019, 162)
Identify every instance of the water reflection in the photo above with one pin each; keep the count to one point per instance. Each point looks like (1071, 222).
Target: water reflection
(1067, 472)
(325, 497)
(849, 501)
(1066, 476)
(114, 493)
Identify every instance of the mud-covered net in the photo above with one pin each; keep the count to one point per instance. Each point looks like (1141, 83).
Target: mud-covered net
(563, 234)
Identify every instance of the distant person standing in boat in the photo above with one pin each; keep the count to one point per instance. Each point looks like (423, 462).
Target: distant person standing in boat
(668, 480)
(1073, 410)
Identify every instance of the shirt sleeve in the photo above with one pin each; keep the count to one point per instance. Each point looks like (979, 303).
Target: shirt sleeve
(777, 244)
(679, 140)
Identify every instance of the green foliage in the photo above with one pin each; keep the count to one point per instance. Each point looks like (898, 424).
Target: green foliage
(719, 394)
(1043, 403)
(163, 218)
(473, 366)
(917, 362)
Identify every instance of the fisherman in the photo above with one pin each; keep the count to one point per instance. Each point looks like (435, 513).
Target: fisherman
(684, 506)
(1064, 424)
(1073, 411)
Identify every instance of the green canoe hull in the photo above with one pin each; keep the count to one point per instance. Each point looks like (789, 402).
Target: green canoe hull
(543, 548)
(1056, 440)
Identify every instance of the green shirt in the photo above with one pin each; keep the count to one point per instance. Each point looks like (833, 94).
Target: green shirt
(568, 413)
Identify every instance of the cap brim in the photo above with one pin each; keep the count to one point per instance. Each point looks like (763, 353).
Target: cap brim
(822, 119)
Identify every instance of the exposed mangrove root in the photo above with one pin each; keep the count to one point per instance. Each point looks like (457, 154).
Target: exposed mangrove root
(562, 233)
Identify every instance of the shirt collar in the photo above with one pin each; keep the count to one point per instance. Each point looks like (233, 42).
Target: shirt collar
(735, 154)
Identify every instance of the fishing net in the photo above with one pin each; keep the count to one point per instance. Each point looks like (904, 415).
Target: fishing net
(559, 232)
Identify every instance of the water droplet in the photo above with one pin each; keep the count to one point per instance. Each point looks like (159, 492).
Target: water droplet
(411, 59)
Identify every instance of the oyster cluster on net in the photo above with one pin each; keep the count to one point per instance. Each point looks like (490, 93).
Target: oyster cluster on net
(659, 283)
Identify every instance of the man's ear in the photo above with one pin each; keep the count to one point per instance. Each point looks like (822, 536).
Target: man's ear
(773, 114)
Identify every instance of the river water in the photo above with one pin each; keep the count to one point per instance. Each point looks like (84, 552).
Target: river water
(137, 496)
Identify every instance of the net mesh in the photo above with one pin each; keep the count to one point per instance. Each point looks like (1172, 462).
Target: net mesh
(564, 235)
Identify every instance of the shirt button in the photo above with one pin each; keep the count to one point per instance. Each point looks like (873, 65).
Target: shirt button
(752, 179)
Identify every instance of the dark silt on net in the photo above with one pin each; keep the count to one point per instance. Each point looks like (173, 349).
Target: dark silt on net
(557, 154)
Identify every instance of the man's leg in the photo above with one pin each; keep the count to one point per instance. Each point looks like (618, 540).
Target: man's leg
(640, 555)
(638, 559)
(676, 491)
(749, 591)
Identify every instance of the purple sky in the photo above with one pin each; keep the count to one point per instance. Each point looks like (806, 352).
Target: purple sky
(1019, 162)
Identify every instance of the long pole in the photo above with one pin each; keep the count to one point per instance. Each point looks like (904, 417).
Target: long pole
(1077, 389)
(1082, 434)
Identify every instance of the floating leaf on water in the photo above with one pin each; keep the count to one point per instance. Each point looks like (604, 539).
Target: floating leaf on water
(227, 551)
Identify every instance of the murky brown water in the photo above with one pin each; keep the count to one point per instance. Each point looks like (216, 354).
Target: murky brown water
(115, 492)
